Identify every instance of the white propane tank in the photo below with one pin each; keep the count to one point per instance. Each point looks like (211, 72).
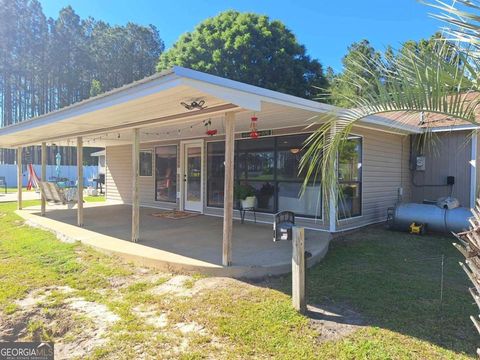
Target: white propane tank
(437, 219)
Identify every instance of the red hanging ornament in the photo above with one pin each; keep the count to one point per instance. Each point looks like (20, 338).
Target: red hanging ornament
(253, 127)
(210, 132)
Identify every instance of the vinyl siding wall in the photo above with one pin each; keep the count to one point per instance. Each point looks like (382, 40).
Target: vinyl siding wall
(449, 155)
(385, 169)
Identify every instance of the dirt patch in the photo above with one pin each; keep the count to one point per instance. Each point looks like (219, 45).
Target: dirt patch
(138, 275)
(151, 316)
(75, 325)
(334, 321)
(177, 286)
(191, 327)
(187, 286)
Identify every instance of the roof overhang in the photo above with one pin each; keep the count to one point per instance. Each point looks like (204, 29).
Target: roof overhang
(156, 101)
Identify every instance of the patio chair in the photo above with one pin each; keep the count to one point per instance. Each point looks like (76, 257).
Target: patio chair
(3, 182)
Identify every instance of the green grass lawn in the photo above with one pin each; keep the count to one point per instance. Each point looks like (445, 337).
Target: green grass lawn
(11, 190)
(377, 273)
(94, 198)
(393, 279)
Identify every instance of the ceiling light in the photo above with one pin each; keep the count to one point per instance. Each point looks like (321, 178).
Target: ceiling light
(199, 105)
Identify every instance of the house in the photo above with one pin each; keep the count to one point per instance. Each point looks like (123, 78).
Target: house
(182, 140)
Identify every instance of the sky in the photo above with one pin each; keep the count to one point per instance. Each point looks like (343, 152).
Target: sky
(325, 27)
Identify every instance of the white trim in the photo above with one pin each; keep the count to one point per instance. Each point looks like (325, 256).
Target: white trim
(200, 143)
(473, 169)
(453, 128)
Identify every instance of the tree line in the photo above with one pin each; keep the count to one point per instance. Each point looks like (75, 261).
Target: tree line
(47, 63)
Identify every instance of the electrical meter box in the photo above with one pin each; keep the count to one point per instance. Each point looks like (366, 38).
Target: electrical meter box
(420, 163)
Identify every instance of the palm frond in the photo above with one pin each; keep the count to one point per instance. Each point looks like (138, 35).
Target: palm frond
(462, 18)
(440, 81)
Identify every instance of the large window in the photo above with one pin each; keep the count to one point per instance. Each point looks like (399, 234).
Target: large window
(289, 181)
(166, 173)
(255, 167)
(215, 173)
(350, 178)
(270, 166)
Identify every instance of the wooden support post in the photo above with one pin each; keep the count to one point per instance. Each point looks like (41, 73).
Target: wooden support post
(298, 269)
(19, 178)
(228, 188)
(43, 176)
(135, 174)
(80, 180)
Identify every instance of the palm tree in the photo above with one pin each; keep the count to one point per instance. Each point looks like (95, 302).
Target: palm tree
(441, 80)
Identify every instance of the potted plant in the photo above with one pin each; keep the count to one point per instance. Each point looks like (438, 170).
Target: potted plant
(246, 195)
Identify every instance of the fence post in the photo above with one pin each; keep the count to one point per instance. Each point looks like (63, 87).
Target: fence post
(298, 269)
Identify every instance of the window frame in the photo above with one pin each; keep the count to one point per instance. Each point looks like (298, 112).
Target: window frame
(319, 216)
(152, 167)
(155, 175)
(360, 182)
(207, 175)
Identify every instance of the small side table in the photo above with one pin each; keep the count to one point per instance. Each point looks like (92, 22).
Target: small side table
(244, 210)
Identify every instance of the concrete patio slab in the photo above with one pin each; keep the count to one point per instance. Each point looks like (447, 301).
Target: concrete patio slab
(192, 245)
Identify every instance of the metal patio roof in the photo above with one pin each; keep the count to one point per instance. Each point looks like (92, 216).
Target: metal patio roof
(155, 101)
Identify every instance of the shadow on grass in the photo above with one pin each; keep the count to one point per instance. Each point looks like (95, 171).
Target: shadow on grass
(393, 281)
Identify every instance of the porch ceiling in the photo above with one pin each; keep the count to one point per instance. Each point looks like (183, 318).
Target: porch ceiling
(155, 102)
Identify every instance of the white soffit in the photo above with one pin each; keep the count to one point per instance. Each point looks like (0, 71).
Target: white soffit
(158, 97)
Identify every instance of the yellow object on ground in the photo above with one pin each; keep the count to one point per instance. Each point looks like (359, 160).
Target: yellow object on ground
(417, 228)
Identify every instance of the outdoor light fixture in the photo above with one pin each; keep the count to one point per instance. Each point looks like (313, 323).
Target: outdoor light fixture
(199, 105)
(295, 151)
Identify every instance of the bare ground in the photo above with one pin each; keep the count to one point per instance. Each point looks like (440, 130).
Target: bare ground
(78, 326)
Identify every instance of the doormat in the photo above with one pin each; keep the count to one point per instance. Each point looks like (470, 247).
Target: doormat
(174, 214)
